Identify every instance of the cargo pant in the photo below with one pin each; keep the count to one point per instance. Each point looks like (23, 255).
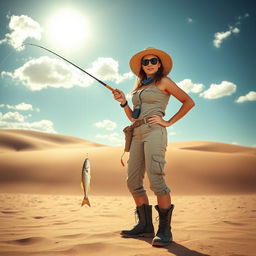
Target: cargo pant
(147, 153)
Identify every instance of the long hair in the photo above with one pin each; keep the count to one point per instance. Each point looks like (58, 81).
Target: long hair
(142, 75)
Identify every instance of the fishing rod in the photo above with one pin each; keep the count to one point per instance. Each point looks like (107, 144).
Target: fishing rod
(107, 86)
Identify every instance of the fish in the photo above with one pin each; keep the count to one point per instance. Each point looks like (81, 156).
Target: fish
(85, 181)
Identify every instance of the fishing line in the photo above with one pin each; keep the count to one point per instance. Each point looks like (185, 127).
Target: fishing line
(36, 45)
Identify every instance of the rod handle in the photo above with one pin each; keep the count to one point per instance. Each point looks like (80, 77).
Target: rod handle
(110, 88)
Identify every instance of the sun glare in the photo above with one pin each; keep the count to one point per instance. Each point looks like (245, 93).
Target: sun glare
(68, 29)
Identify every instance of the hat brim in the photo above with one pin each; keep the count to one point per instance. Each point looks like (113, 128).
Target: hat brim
(135, 62)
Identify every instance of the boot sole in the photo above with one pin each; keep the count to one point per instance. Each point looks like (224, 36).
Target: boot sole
(139, 235)
(160, 244)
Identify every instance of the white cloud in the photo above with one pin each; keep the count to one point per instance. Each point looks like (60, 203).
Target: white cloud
(14, 120)
(22, 106)
(112, 139)
(246, 15)
(235, 30)
(21, 28)
(216, 91)
(220, 36)
(188, 86)
(12, 117)
(250, 96)
(190, 20)
(107, 69)
(37, 74)
(107, 124)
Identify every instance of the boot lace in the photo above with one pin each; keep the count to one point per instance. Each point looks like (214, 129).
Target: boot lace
(163, 222)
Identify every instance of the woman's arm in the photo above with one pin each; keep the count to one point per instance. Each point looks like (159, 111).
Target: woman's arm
(119, 96)
(187, 103)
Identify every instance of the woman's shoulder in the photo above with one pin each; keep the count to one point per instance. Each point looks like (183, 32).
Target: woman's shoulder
(164, 83)
(165, 80)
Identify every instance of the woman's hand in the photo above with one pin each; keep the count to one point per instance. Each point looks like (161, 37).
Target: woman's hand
(154, 119)
(119, 96)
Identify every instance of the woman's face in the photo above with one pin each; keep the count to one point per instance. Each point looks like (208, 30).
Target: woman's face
(150, 69)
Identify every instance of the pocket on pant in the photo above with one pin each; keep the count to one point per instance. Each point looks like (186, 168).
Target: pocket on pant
(157, 164)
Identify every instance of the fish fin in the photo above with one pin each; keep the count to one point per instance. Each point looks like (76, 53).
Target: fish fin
(86, 201)
(82, 185)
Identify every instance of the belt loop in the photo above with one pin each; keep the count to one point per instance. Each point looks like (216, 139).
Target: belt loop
(145, 120)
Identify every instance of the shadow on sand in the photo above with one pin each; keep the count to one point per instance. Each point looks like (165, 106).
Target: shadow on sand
(181, 250)
(174, 248)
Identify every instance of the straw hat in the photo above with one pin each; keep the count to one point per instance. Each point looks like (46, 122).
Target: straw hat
(135, 62)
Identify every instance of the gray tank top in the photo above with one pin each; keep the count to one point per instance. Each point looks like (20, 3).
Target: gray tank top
(153, 101)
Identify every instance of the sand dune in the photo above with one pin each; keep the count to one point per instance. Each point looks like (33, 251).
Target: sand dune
(39, 162)
(216, 147)
(21, 140)
(214, 213)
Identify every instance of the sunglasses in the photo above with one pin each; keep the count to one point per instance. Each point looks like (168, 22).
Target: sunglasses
(153, 61)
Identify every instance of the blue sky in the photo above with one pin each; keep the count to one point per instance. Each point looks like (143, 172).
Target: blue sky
(212, 44)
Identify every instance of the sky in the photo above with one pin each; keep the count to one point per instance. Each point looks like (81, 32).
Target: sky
(212, 45)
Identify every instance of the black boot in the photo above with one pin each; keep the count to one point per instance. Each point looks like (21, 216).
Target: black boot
(145, 227)
(164, 235)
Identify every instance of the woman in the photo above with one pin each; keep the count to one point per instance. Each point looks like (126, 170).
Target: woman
(149, 139)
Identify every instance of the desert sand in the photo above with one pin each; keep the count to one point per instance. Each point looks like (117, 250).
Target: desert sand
(212, 183)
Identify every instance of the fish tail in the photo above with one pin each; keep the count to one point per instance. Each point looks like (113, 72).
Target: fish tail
(86, 201)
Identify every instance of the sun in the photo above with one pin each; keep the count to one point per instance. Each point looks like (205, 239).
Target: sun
(68, 29)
